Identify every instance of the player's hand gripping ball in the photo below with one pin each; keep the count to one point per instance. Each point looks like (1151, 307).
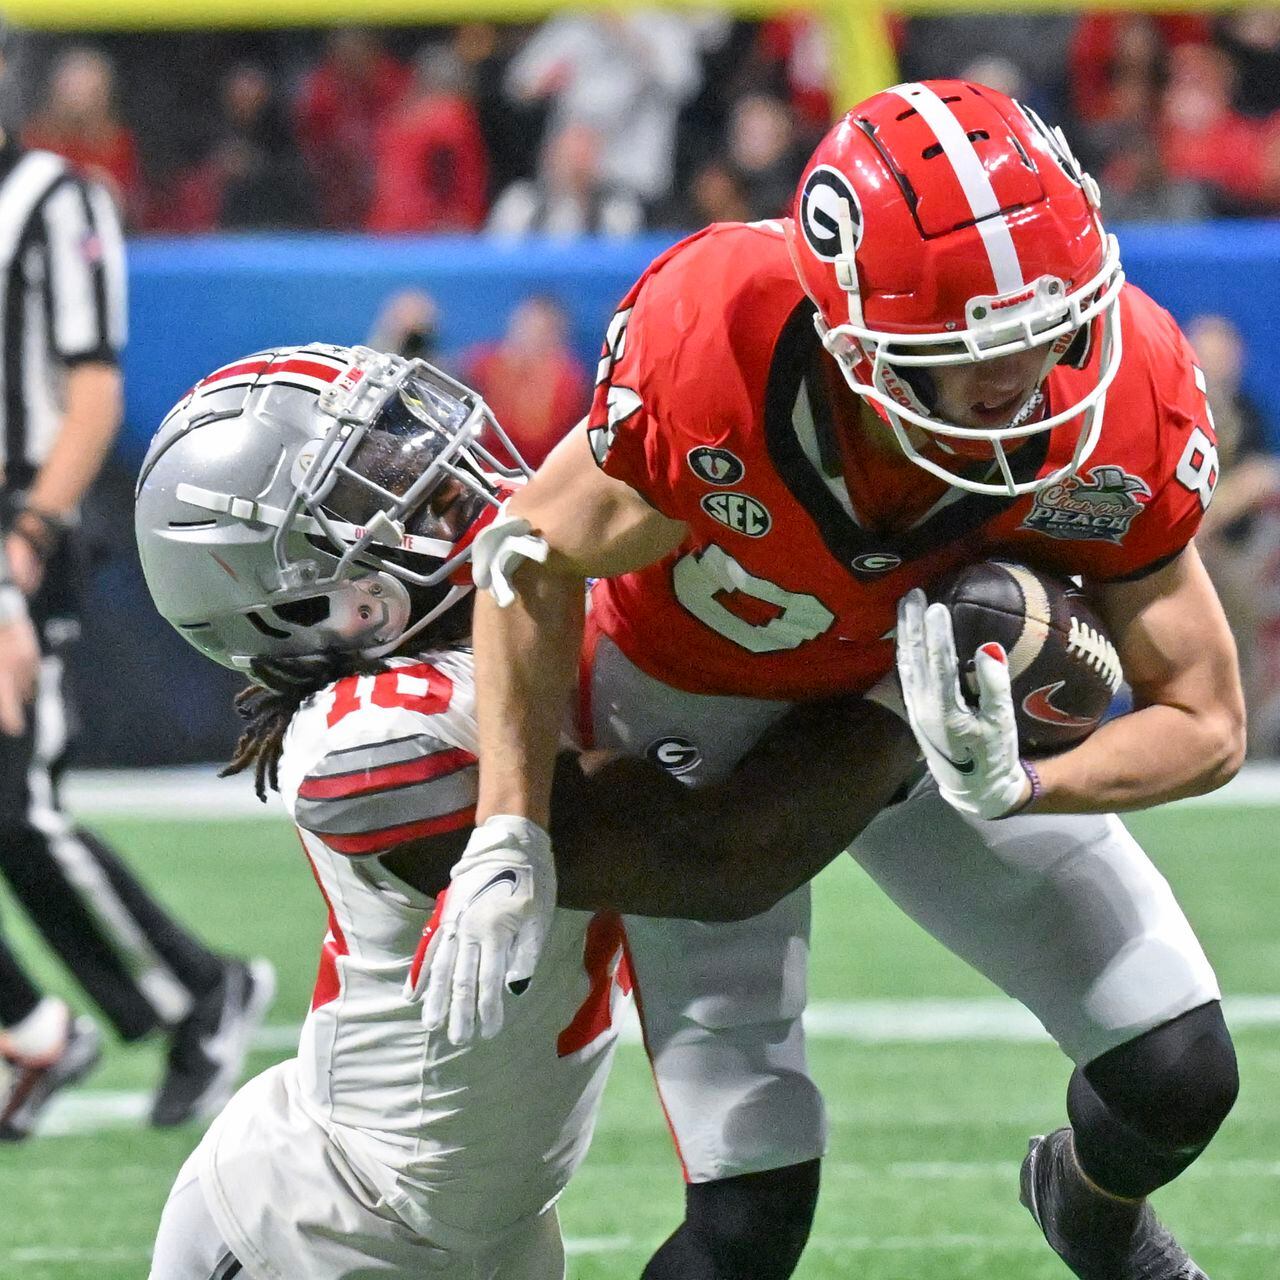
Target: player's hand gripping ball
(1063, 669)
(1004, 664)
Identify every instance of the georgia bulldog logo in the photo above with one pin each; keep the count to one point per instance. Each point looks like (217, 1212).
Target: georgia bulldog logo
(819, 211)
(674, 754)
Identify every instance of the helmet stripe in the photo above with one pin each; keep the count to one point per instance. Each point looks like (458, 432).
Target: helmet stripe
(312, 368)
(974, 181)
(233, 370)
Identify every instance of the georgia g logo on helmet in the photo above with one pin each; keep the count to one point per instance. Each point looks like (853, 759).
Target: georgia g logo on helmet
(940, 224)
(820, 206)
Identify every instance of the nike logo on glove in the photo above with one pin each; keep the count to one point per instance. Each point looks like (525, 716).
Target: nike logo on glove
(965, 766)
(503, 877)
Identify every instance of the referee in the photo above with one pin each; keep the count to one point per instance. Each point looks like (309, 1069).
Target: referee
(62, 321)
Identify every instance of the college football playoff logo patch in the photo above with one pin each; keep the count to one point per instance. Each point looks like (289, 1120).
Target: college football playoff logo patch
(716, 466)
(1099, 508)
(819, 213)
(739, 512)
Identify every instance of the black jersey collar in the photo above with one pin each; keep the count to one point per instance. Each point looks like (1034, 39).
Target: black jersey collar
(866, 552)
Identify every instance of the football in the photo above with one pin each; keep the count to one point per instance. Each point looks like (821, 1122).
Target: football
(1063, 667)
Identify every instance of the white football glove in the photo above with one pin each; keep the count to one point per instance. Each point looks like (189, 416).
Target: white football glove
(971, 752)
(488, 929)
(497, 551)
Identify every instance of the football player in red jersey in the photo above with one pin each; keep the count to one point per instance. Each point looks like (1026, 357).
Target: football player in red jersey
(305, 514)
(798, 424)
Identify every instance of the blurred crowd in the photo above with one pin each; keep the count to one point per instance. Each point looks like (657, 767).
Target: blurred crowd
(614, 122)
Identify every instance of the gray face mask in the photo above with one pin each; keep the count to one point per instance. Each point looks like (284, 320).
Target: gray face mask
(276, 519)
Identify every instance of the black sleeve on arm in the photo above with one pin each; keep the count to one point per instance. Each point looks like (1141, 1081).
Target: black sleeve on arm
(632, 839)
(1148, 569)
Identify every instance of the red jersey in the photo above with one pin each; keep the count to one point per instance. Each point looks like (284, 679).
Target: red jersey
(716, 402)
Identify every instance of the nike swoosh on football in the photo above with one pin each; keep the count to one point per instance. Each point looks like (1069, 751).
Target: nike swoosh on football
(1038, 705)
(503, 877)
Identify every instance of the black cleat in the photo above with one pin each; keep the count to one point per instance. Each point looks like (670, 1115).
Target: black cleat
(33, 1082)
(1096, 1235)
(208, 1047)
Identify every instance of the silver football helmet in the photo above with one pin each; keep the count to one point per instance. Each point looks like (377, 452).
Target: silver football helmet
(317, 498)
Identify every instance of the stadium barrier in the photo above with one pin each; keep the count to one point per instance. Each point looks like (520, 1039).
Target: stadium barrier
(197, 303)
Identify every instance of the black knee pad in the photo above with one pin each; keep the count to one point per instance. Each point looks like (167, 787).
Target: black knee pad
(1142, 1112)
(756, 1225)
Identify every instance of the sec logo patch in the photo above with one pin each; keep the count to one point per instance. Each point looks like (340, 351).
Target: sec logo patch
(739, 512)
(716, 466)
(675, 755)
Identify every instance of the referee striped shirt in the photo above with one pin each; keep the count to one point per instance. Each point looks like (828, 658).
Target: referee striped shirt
(62, 297)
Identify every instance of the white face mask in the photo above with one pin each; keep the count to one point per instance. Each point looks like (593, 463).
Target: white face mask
(1044, 315)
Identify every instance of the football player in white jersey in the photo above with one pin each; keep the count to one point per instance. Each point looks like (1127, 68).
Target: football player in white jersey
(307, 515)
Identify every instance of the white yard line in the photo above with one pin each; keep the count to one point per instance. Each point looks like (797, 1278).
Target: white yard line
(585, 1246)
(87, 1110)
(904, 1021)
(943, 1021)
(31, 1255)
(196, 792)
(935, 1021)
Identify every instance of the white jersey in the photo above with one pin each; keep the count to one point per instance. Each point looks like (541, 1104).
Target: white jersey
(460, 1144)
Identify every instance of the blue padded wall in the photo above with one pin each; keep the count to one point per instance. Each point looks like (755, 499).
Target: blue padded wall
(196, 303)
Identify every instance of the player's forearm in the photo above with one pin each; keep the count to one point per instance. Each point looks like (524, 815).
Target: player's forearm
(632, 839)
(526, 661)
(1154, 755)
(1188, 734)
(89, 425)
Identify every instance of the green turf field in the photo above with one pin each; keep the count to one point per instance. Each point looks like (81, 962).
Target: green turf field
(926, 1137)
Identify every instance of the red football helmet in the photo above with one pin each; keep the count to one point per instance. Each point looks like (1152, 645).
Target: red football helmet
(943, 223)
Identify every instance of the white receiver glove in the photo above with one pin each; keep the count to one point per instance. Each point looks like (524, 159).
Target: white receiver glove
(971, 752)
(497, 552)
(488, 929)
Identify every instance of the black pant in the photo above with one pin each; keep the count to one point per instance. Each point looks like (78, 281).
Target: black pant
(133, 960)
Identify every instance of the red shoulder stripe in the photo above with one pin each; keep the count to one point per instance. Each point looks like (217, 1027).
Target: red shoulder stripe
(388, 837)
(367, 781)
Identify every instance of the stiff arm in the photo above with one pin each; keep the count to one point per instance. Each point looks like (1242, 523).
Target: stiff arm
(527, 653)
(630, 838)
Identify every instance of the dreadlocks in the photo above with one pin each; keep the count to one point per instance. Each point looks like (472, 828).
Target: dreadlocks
(280, 686)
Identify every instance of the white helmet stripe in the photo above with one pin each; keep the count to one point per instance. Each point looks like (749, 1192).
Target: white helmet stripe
(974, 182)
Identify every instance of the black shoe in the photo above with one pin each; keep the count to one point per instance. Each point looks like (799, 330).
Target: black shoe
(208, 1047)
(33, 1082)
(1097, 1236)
